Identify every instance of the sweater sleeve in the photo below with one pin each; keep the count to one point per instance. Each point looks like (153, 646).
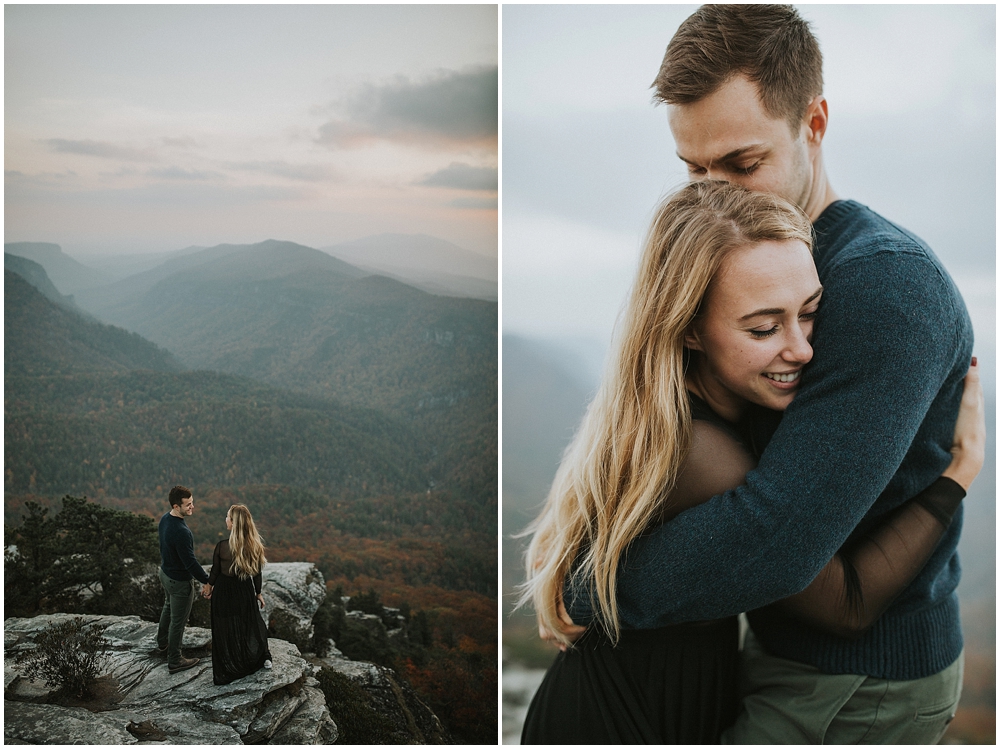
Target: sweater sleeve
(885, 343)
(185, 552)
(258, 583)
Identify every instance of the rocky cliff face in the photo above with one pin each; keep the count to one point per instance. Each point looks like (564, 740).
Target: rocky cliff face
(283, 705)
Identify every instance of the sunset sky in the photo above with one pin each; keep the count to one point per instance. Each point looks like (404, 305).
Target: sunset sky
(151, 128)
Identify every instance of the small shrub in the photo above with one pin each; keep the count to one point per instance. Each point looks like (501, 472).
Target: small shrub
(351, 708)
(68, 655)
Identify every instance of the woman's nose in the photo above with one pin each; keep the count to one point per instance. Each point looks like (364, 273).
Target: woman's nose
(799, 349)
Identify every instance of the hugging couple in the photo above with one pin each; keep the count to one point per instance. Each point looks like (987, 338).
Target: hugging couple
(239, 634)
(787, 428)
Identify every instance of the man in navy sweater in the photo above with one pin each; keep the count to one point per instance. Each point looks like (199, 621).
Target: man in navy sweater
(870, 427)
(178, 570)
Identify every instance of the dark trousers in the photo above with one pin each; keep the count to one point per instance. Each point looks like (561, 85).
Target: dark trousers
(177, 602)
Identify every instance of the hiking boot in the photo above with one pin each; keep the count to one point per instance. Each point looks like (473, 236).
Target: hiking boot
(184, 665)
(158, 652)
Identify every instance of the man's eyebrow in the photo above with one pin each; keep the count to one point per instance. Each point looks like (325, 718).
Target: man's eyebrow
(735, 154)
(779, 310)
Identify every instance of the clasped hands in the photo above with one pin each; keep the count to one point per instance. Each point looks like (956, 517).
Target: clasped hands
(206, 592)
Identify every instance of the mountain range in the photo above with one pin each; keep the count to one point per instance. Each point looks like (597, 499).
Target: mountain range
(299, 319)
(428, 263)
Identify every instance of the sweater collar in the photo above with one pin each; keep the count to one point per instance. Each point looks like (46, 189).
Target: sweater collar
(834, 212)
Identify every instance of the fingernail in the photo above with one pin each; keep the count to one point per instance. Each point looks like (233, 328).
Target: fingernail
(973, 361)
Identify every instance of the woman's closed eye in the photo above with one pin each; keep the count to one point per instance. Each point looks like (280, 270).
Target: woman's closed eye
(761, 334)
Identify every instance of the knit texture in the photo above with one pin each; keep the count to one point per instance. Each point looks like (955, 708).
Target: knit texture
(869, 429)
(177, 550)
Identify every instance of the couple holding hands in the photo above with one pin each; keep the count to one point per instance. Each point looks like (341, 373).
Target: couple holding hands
(239, 634)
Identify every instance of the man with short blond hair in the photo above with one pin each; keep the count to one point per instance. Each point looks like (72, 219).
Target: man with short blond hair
(870, 427)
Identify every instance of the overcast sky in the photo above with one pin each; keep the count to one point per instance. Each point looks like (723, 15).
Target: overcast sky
(157, 127)
(586, 156)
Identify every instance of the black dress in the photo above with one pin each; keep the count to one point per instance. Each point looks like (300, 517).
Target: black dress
(678, 684)
(673, 685)
(239, 634)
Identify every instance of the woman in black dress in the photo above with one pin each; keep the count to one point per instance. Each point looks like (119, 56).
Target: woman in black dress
(651, 447)
(239, 634)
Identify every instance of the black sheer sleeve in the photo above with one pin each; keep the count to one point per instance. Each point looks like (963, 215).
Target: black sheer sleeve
(716, 462)
(258, 583)
(216, 565)
(860, 582)
(866, 575)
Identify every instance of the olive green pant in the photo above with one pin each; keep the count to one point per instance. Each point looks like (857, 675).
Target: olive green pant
(177, 602)
(787, 702)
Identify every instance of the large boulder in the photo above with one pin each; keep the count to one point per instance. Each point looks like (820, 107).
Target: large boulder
(410, 719)
(293, 592)
(311, 723)
(186, 707)
(25, 723)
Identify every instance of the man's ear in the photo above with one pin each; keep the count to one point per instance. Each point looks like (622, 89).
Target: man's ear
(816, 119)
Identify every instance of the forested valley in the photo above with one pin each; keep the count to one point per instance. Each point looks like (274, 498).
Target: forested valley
(355, 415)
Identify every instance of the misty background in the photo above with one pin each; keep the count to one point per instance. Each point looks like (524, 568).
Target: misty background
(586, 157)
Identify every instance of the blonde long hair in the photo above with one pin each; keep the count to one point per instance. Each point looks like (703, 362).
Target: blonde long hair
(618, 472)
(245, 543)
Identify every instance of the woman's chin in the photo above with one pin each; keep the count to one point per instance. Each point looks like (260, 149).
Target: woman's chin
(784, 401)
(775, 401)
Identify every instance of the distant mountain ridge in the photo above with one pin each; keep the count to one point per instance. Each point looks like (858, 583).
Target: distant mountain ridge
(35, 274)
(118, 266)
(429, 263)
(270, 258)
(90, 406)
(68, 275)
(295, 317)
(43, 338)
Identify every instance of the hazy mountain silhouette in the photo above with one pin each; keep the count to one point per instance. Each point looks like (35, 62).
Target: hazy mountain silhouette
(76, 391)
(429, 263)
(543, 404)
(295, 317)
(43, 338)
(35, 274)
(118, 266)
(68, 275)
(272, 258)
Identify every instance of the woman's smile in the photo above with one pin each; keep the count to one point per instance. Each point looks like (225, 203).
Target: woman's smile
(753, 335)
(784, 380)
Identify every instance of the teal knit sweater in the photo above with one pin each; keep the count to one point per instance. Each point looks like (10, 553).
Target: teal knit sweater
(870, 428)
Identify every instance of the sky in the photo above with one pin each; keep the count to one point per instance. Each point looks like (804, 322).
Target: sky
(140, 128)
(586, 155)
